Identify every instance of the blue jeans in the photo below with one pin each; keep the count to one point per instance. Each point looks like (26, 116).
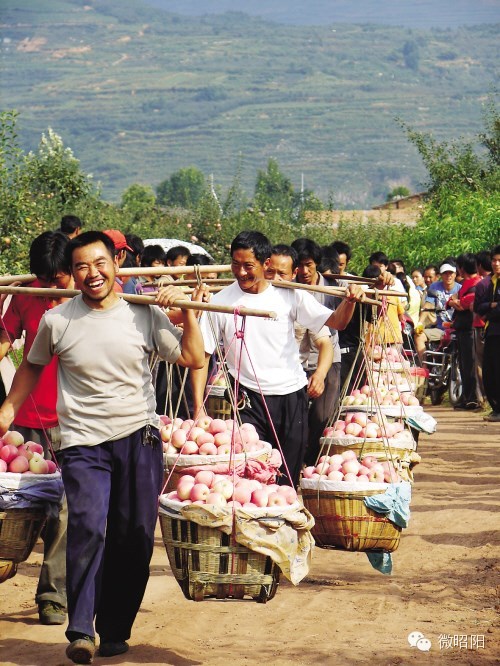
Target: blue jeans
(112, 492)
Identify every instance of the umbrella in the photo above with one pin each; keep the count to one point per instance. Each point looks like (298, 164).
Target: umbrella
(167, 243)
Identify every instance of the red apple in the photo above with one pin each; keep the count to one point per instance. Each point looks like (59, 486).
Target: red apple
(8, 452)
(200, 491)
(13, 437)
(18, 465)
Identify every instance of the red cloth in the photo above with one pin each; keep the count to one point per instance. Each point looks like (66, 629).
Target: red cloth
(24, 314)
(467, 301)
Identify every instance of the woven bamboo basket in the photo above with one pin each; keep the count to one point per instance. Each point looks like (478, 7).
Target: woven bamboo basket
(208, 563)
(388, 449)
(182, 463)
(344, 522)
(19, 532)
(216, 405)
(8, 569)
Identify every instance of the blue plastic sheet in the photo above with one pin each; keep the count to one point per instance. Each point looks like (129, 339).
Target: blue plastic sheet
(47, 493)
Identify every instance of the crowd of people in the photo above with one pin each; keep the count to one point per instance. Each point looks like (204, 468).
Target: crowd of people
(85, 388)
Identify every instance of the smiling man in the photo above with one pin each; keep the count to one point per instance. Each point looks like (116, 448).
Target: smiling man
(268, 367)
(112, 457)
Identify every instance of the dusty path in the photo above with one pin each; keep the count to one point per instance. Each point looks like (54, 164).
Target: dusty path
(445, 582)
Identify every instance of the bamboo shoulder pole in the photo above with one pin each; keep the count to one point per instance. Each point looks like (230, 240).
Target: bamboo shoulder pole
(151, 270)
(332, 291)
(141, 299)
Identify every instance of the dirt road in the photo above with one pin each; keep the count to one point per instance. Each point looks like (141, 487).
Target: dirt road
(445, 584)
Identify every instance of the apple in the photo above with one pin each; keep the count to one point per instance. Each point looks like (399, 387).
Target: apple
(234, 504)
(208, 449)
(216, 425)
(8, 452)
(351, 467)
(189, 448)
(362, 478)
(216, 499)
(166, 432)
(322, 468)
(199, 491)
(187, 424)
(308, 472)
(179, 438)
(13, 437)
(204, 422)
(221, 438)
(224, 450)
(230, 424)
(276, 499)
(289, 493)
(225, 487)
(166, 420)
(372, 431)
(349, 400)
(376, 476)
(350, 477)
(335, 475)
(348, 455)
(52, 466)
(37, 464)
(18, 465)
(184, 489)
(336, 460)
(260, 497)
(204, 437)
(242, 494)
(3, 466)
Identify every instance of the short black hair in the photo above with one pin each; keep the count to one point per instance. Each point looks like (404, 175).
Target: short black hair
(330, 260)
(398, 261)
(152, 253)
(432, 267)
(255, 241)
(176, 252)
(379, 257)
(70, 223)
(47, 254)
(495, 250)
(372, 271)
(307, 249)
(342, 248)
(136, 243)
(199, 259)
(483, 259)
(87, 238)
(287, 251)
(467, 262)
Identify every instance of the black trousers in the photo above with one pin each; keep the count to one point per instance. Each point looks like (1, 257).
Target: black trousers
(289, 417)
(491, 371)
(465, 342)
(112, 491)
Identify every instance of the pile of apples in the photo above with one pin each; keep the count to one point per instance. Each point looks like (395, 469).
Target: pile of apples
(346, 467)
(221, 490)
(360, 424)
(380, 395)
(20, 457)
(390, 354)
(208, 437)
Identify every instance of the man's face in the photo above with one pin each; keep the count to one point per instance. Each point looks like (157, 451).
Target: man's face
(448, 278)
(429, 277)
(248, 271)
(307, 272)
(342, 263)
(60, 281)
(181, 260)
(495, 264)
(280, 268)
(94, 271)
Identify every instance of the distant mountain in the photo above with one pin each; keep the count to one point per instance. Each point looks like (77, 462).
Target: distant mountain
(408, 13)
(138, 93)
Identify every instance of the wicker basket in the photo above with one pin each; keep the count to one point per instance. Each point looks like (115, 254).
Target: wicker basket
(388, 449)
(208, 563)
(344, 522)
(8, 569)
(218, 407)
(19, 532)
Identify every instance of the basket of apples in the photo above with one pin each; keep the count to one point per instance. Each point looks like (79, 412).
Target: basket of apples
(388, 400)
(333, 492)
(388, 357)
(22, 465)
(365, 433)
(209, 443)
(208, 562)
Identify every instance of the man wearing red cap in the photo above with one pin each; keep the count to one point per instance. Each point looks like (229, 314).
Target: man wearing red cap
(121, 248)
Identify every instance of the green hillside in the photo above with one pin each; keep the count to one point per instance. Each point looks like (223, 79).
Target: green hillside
(139, 93)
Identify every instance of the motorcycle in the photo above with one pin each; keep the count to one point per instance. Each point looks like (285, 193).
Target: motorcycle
(441, 361)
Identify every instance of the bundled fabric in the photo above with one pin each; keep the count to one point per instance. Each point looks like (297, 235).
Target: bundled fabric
(47, 494)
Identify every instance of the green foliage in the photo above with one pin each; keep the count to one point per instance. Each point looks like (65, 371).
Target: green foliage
(411, 54)
(138, 200)
(273, 190)
(398, 193)
(185, 188)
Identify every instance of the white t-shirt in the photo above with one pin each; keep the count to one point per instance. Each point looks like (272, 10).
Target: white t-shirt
(104, 387)
(273, 354)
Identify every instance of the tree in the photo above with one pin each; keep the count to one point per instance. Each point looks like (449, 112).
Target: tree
(411, 55)
(398, 193)
(185, 188)
(138, 200)
(273, 190)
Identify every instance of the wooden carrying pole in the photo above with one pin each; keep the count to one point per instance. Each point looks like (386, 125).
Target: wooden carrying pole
(150, 270)
(141, 299)
(332, 291)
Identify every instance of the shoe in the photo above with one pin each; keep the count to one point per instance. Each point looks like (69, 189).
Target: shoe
(460, 405)
(50, 612)
(112, 648)
(494, 417)
(82, 650)
(471, 406)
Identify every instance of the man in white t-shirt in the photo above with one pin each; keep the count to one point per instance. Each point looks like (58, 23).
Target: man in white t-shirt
(267, 364)
(112, 461)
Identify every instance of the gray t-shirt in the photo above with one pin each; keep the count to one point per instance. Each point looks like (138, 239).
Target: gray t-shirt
(104, 387)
